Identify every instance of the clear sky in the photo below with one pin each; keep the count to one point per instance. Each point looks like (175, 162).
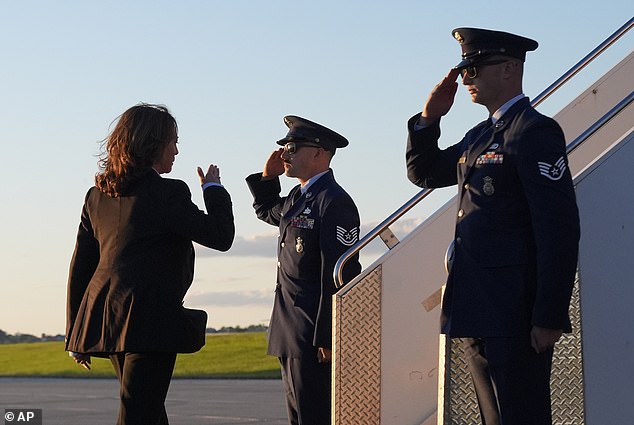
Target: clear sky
(229, 71)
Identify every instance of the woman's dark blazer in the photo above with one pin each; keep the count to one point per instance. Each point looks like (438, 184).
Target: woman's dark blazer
(133, 263)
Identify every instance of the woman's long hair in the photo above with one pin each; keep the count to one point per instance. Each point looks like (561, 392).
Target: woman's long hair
(138, 139)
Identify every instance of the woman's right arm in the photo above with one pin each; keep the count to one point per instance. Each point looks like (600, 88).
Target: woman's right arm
(215, 228)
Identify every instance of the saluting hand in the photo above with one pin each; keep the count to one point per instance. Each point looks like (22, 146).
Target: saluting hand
(274, 166)
(441, 98)
(211, 176)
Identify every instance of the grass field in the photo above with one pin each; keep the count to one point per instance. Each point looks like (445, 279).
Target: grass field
(241, 355)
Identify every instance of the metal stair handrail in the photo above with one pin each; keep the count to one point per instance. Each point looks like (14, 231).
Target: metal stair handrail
(583, 62)
(374, 233)
(600, 122)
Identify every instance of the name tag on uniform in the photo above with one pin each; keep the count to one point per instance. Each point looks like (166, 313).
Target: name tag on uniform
(303, 222)
(490, 158)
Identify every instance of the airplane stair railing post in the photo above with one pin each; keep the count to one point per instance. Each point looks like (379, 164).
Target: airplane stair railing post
(382, 230)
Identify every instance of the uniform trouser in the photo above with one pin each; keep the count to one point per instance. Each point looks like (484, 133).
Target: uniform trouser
(512, 381)
(144, 379)
(307, 388)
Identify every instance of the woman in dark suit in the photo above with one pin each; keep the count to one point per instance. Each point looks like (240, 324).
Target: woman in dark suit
(134, 261)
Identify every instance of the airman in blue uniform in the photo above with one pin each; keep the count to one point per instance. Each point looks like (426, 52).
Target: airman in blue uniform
(517, 226)
(318, 221)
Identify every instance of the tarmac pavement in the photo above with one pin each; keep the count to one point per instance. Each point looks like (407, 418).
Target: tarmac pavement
(189, 401)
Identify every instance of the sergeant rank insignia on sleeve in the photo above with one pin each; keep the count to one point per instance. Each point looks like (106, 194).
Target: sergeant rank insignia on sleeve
(552, 171)
(347, 237)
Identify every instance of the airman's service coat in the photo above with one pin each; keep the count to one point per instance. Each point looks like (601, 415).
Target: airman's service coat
(517, 224)
(314, 231)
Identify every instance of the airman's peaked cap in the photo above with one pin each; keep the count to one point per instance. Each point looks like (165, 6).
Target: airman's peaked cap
(303, 130)
(477, 44)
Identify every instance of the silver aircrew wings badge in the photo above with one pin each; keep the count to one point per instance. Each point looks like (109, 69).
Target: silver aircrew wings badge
(552, 171)
(347, 237)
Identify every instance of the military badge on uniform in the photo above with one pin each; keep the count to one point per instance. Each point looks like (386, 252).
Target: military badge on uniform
(552, 171)
(488, 188)
(299, 245)
(347, 237)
